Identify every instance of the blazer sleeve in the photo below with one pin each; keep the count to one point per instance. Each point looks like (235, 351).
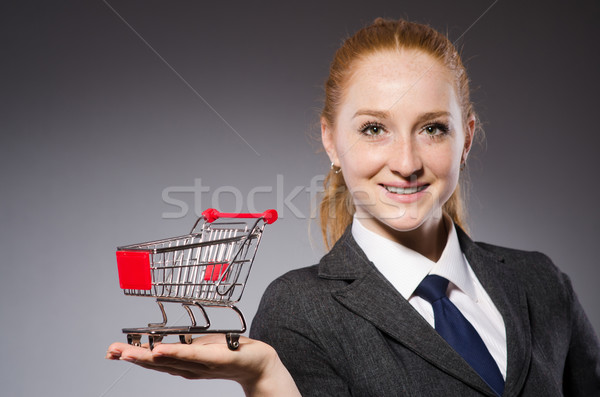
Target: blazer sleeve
(582, 366)
(284, 321)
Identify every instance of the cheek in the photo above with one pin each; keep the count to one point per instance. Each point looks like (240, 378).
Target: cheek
(444, 159)
(360, 162)
(444, 165)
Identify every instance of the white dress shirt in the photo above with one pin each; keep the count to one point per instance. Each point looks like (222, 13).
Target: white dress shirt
(405, 269)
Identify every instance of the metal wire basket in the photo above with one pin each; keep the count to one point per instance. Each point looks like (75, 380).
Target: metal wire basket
(208, 267)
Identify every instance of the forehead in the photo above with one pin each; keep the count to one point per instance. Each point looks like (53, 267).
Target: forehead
(409, 80)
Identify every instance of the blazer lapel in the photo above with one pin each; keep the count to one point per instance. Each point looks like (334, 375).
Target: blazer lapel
(373, 298)
(507, 293)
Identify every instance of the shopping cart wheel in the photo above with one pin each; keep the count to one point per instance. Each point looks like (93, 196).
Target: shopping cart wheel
(233, 340)
(186, 339)
(134, 339)
(154, 339)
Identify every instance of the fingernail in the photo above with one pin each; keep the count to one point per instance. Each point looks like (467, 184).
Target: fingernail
(128, 359)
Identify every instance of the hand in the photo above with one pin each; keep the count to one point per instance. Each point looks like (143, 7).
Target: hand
(255, 365)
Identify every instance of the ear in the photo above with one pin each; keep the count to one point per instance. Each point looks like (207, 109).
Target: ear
(328, 142)
(469, 135)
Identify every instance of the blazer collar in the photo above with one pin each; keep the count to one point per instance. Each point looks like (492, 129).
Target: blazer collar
(506, 290)
(372, 297)
(345, 261)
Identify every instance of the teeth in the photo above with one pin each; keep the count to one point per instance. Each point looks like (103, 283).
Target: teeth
(402, 190)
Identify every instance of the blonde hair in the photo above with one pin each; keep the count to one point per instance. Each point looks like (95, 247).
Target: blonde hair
(336, 208)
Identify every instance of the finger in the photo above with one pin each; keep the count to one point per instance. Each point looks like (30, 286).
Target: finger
(201, 370)
(183, 372)
(212, 343)
(115, 350)
(206, 352)
(136, 354)
(144, 358)
(173, 366)
(217, 338)
(209, 339)
(175, 351)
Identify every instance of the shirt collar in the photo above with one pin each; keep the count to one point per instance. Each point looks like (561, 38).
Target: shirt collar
(405, 268)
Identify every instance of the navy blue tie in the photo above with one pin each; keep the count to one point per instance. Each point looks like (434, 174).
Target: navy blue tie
(458, 331)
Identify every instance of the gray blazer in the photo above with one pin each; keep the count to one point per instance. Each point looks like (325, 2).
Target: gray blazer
(342, 329)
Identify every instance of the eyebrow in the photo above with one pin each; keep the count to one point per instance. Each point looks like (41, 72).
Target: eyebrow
(433, 115)
(382, 114)
(385, 114)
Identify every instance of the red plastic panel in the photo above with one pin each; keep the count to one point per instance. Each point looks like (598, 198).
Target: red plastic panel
(214, 272)
(134, 270)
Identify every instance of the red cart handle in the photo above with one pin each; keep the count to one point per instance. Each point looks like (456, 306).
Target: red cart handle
(210, 215)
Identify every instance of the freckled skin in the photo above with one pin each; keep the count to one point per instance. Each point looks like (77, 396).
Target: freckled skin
(387, 133)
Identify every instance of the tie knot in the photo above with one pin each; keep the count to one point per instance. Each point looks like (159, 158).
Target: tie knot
(432, 288)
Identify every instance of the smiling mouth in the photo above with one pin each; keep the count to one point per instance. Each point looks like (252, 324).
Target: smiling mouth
(405, 190)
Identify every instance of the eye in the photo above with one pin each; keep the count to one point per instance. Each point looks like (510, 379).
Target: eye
(372, 129)
(436, 129)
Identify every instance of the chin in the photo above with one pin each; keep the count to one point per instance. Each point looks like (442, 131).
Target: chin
(390, 223)
(403, 225)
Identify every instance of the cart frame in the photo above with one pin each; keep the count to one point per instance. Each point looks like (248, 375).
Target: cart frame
(205, 268)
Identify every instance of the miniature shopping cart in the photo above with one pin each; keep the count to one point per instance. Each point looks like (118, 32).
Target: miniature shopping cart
(207, 268)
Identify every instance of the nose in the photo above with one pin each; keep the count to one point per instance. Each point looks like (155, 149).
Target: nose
(404, 157)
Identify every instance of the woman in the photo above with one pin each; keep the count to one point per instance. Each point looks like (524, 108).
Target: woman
(405, 303)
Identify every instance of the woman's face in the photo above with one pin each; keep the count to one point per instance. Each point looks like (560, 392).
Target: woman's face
(399, 139)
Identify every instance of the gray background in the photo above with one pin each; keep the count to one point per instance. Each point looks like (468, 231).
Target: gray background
(95, 126)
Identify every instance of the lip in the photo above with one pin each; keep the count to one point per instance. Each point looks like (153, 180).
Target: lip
(420, 191)
(404, 185)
